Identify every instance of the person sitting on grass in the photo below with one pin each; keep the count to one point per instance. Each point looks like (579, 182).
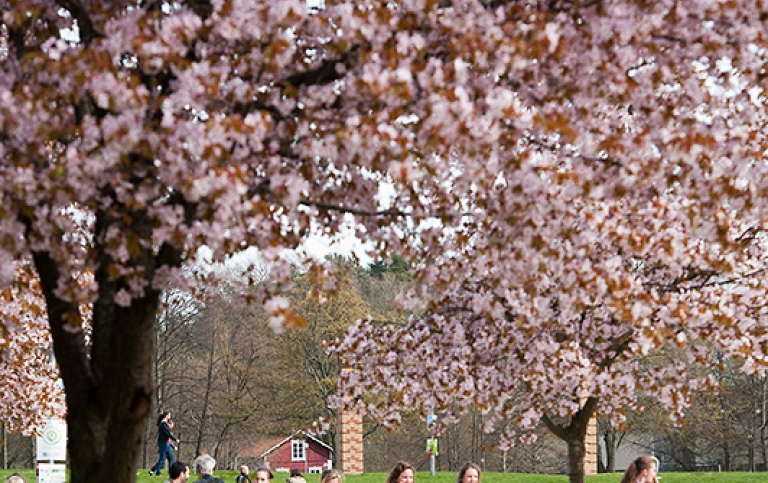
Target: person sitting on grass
(330, 476)
(204, 465)
(243, 476)
(15, 478)
(642, 470)
(263, 475)
(178, 473)
(469, 473)
(295, 477)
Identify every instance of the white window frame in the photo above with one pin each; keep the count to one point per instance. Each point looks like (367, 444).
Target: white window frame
(298, 450)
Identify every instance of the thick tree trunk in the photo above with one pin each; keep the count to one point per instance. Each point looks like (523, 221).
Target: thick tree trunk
(107, 373)
(106, 423)
(574, 434)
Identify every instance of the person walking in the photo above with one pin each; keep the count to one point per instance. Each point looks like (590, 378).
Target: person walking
(165, 440)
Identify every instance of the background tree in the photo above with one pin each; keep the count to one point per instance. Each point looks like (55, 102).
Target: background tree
(171, 358)
(326, 316)
(611, 438)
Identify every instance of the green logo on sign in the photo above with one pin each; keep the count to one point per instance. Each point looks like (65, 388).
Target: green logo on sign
(51, 436)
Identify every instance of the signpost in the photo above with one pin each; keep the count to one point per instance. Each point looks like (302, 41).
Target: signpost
(52, 452)
(51, 472)
(432, 442)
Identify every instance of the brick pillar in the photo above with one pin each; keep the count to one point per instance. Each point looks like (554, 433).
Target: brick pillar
(351, 443)
(590, 441)
(591, 447)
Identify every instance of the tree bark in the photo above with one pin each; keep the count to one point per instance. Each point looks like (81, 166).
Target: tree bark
(574, 433)
(5, 447)
(108, 388)
(107, 372)
(576, 452)
(612, 439)
(208, 389)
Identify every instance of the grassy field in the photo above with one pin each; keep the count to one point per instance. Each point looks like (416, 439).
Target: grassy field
(450, 477)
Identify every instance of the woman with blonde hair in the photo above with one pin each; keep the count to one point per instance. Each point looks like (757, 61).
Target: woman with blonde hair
(642, 470)
(330, 476)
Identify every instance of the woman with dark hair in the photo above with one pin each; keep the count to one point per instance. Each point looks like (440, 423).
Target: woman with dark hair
(401, 473)
(469, 473)
(642, 470)
(263, 475)
(164, 443)
(295, 477)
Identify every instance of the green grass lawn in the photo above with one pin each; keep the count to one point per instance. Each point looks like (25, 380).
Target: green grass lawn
(450, 477)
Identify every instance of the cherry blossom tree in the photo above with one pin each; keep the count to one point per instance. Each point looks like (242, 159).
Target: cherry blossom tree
(581, 182)
(31, 389)
(135, 132)
(600, 199)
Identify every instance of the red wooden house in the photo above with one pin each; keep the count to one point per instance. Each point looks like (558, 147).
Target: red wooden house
(301, 451)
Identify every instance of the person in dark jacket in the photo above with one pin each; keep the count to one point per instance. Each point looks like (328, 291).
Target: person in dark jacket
(165, 440)
(243, 476)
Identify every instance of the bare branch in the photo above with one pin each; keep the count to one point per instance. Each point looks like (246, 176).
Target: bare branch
(354, 211)
(84, 23)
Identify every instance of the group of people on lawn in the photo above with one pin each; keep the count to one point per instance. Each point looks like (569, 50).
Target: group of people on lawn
(641, 470)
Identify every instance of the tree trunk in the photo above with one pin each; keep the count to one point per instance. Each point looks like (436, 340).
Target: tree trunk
(107, 373)
(576, 453)
(109, 393)
(208, 388)
(612, 439)
(726, 455)
(574, 434)
(106, 422)
(763, 422)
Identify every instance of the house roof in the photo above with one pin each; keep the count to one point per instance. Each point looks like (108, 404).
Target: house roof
(293, 436)
(262, 444)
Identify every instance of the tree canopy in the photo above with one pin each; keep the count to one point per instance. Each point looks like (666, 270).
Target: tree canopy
(576, 182)
(31, 384)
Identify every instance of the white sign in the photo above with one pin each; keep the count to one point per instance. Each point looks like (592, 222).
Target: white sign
(51, 473)
(52, 443)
